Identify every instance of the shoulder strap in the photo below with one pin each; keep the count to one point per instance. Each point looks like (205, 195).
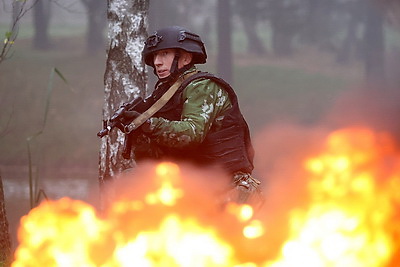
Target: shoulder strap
(206, 75)
(158, 104)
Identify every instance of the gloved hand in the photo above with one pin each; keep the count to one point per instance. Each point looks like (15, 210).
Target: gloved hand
(128, 116)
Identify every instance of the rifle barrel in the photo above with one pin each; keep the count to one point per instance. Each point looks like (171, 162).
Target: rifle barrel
(104, 132)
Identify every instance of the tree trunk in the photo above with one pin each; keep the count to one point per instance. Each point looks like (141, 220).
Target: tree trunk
(5, 242)
(162, 14)
(374, 46)
(41, 19)
(249, 14)
(349, 43)
(15, 20)
(125, 75)
(254, 43)
(96, 22)
(284, 26)
(311, 29)
(224, 28)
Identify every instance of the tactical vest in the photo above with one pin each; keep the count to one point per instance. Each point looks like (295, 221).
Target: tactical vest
(229, 147)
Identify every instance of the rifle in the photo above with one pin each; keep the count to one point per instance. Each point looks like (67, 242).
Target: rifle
(116, 121)
(146, 108)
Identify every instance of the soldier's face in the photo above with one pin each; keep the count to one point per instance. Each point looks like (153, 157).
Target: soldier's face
(163, 61)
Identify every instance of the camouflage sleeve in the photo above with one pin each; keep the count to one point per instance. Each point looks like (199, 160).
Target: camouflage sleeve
(204, 103)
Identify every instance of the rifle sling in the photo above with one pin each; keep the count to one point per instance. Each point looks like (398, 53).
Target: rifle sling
(138, 121)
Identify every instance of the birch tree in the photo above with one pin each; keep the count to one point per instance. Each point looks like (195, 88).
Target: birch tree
(5, 241)
(125, 75)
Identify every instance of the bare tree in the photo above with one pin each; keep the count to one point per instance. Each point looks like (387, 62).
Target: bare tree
(224, 29)
(374, 43)
(41, 21)
(162, 13)
(19, 10)
(5, 242)
(125, 75)
(286, 21)
(96, 11)
(350, 47)
(250, 14)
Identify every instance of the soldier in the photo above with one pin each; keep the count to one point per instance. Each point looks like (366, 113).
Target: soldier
(201, 122)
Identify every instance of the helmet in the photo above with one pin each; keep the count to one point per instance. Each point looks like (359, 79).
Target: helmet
(175, 37)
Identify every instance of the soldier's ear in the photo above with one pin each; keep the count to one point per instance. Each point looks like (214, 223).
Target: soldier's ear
(186, 58)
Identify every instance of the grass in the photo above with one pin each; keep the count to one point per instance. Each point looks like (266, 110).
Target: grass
(274, 91)
(301, 88)
(74, 116)
(27, 30)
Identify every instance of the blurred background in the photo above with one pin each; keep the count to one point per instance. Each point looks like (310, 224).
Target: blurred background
(291, 61)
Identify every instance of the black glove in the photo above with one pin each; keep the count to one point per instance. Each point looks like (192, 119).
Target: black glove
(128, 116)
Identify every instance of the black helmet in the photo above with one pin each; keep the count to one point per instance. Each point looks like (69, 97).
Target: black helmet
(175, 37)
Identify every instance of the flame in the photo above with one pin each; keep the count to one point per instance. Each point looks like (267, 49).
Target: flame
(349, 219)
(157, 230)
(167, 194)
(170, 217)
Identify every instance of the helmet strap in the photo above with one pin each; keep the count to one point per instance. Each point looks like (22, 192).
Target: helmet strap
(174, 66)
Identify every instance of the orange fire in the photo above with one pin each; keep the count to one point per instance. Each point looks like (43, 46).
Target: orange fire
(173, 216)
(353, 196)
(166, 226)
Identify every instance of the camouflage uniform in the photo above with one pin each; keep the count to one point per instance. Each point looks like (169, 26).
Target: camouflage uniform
(200, 113)
(205, 103)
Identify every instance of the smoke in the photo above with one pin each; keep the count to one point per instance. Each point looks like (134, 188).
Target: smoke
(282, 148)
(148, 176)
(139, 202)
(377, 108)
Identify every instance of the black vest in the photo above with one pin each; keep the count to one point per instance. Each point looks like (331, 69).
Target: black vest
(229, 147)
